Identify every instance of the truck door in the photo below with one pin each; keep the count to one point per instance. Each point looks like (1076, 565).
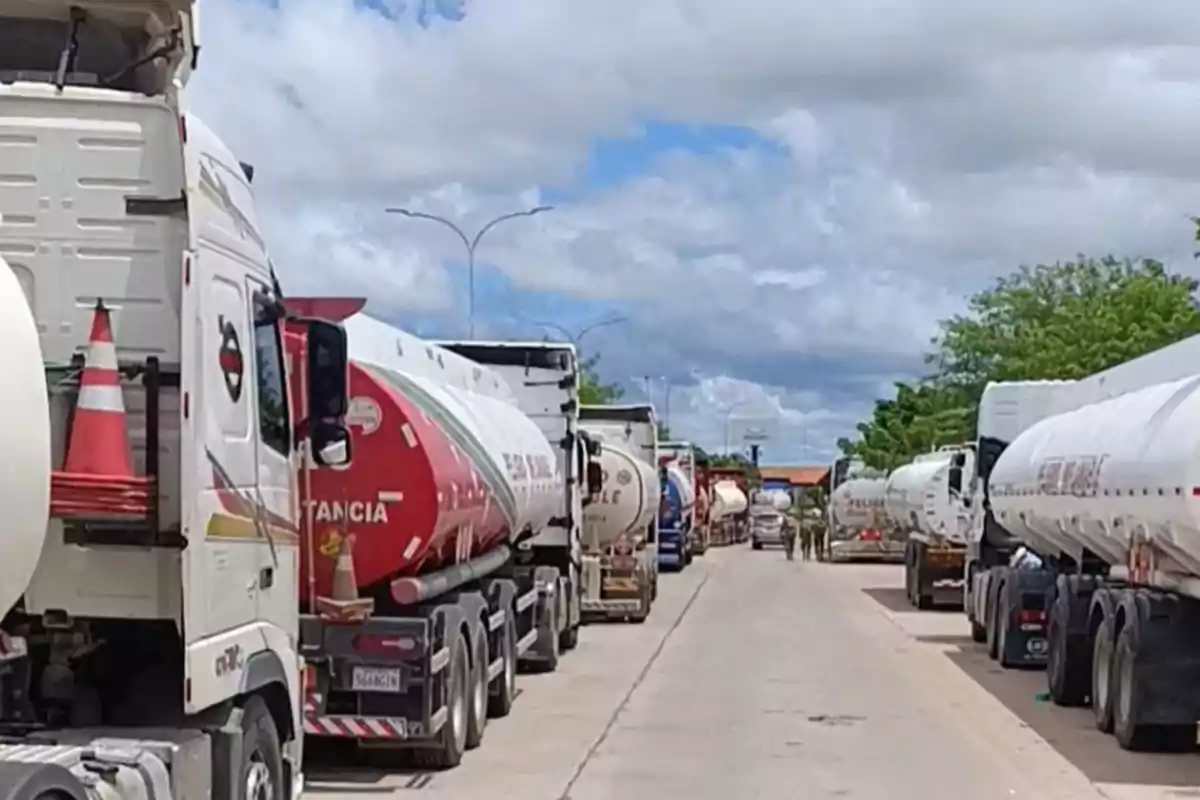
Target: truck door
(278, 573)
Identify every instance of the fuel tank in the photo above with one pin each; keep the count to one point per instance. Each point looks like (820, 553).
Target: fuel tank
(445, 467)
(858, 503)
(628, 500)
(727, 500)
(775, 498)
(25, 442)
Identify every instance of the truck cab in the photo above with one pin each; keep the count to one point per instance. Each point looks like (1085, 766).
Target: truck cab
(131, 240)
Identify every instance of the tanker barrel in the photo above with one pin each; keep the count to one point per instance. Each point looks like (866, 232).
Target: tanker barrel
(412, 590)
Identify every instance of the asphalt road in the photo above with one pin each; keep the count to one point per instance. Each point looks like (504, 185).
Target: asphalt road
(760, 678)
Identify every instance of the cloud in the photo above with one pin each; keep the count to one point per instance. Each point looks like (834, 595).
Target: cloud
(894, 160)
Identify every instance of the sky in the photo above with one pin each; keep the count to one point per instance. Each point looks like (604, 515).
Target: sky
(780, 200)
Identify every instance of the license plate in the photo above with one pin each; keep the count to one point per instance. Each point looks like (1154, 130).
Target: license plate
(375, 679)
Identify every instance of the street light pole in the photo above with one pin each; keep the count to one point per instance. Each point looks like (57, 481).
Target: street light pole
(471, 243)
(575, 338)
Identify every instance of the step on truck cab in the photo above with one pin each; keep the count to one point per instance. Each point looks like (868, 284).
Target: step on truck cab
(148, 644)
(620, 560)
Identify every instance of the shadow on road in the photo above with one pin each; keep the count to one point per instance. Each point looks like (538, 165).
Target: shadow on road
(893, 599)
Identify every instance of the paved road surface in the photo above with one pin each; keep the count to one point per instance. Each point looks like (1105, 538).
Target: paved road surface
(757, 678)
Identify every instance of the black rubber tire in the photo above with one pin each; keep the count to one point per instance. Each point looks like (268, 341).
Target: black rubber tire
(262, 754)
(500, 703)
(452, 739)
(756, 545)
(978, 633)
(477, 715)
(1003, 626)
(1102, 677)
(1068, 671)
(35, 781)
(1126, 699)
(569, 638)
(924, 602)
(992, 622)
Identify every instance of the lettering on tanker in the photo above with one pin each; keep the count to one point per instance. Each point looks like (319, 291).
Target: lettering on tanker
(527, 467)
(368, 512)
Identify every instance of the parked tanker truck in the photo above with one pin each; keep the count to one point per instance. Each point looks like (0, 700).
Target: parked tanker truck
(858, 530)
(422, 585)
(620, 563)
(1101, 494)
(727, 505)
(929, 501)
(734, 527)
(153, 448)
(676, 517)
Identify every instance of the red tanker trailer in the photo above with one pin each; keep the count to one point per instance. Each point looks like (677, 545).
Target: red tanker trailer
(414, 610)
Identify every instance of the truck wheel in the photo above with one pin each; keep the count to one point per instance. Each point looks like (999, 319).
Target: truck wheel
(501, 701)
(1127, 700)
(262, 758)
(569, 639)
(1102, 677)
(978, 633)
(992, 621)
(452, 739)
(478, 716)
(1068, 673)
(756, 544)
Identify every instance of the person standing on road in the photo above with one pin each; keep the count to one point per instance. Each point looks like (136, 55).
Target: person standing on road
(819, 540)
(789, 539)
(805, 540)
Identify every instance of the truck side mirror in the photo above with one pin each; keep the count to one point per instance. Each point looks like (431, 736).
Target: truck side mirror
(330, 444)
(328, 371)
(328, 384)
(595, 479)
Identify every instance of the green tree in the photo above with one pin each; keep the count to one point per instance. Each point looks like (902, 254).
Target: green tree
(592, 390)
(1066, 321)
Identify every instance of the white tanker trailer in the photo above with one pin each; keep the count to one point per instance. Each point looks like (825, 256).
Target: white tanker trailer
(620, 562)
(727, 500)
(928, 501)
(1105, 500)
(859, 528)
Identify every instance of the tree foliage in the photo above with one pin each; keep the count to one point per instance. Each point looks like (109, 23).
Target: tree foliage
(592, 390)
(1064, 321)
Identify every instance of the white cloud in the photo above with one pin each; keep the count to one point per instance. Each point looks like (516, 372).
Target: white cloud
(923, 148)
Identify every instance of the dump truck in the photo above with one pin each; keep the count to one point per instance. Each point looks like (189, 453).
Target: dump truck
(620, 527)
(422, 590)
(148, 569)
(1100, 494)
(929, 501)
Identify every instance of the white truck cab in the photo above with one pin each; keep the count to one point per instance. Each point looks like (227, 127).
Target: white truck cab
(181, 616)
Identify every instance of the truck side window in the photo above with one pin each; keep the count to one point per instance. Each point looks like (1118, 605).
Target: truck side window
(269, 370)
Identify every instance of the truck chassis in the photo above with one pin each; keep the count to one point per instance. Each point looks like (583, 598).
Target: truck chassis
(933, 573)
(427, 676)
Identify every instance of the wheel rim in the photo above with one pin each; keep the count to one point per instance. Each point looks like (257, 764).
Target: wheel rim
(481, 686)
(1125, 687)
(510, 667)
(259, 785)
(1103, 673)
(459, 710)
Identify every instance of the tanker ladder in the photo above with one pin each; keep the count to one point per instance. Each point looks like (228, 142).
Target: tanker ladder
(426, 675)
(933, 571)
(1123, 640)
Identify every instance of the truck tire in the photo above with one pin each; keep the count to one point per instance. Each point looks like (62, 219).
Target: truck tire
(34, 781)
(261, 770)
(1127, 701)
(478, 712)
(451, 743)
(1102, 676)
(978, 632)
(756, 544)
(1068, 671)
(501, 701)
(569, 639)
(992, 611)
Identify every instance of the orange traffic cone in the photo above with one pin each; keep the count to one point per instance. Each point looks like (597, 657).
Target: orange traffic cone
(99, 442)
(345, 606)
